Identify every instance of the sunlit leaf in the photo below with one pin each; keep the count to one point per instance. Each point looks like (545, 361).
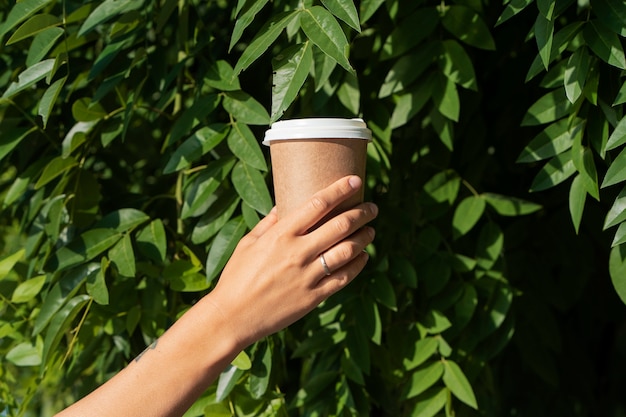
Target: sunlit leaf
(245, 16)
(291, 69)
(423, 378)
(550, 107)
(107, 10)
(28, 289)
(466, 214)
(544, 35)
(457, 382)
(33, 26)
(617, 270)
(554, 172)
(223, 246)
(245, 108)
(617, 170)
(324, 31)
(21, 11)
(251, 186)
(29, 76)
(604, 43)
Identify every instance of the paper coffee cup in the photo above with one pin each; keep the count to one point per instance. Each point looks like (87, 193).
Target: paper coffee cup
(310, 154)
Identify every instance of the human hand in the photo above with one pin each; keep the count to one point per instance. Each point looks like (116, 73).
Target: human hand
(275, 275)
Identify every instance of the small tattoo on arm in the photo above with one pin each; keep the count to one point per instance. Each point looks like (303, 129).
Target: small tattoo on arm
(152, 346)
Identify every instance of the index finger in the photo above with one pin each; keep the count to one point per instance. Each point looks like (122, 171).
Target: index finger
(322, 203)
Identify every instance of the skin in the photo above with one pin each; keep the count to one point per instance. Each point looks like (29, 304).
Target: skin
(273, 278)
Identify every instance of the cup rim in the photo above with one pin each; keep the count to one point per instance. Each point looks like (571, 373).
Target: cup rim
(318, 128)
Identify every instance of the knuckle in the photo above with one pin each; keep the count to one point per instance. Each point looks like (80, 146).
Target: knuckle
(343, 224)
(346, 251)
(318, 203)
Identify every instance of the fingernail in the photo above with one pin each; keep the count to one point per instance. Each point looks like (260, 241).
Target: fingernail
(355, 182)
(371, 232)
(374, 209)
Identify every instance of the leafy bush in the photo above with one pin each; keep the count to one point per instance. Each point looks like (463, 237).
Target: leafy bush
(131, 166)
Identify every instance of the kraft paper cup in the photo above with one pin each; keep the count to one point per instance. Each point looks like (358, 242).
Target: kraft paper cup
(310, 154)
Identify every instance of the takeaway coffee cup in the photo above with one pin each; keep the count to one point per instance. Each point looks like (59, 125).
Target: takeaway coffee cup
(310, 154)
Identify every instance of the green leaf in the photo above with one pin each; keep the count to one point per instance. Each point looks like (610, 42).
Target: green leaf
(457, 382)
(512, 9)
(152, 242)
(243, 107)
(620, 235)
(618, 137)
(264, 39)
(410, 103)
(106, 11)
(510, 206)
(349, 94)
(185, 276)
(222, 76)
(195, 146)
(577, 198)
(96, 284)
(410, 32)
(617, 170)
(33, 26)
(544, 35)
(122, 220)
(620, 98)
(422, 350)
(457, 65)
(617, 270)
(215, 218)
(430, 402)
(553, 140)
(467, 213)
(223, 246)
(261, 370)
(7, 263)
(617, 213)
(245, 146)
(423, 378)
(382, 290)
(58, 166)
(190, 118)
(546, 8)
(489, 245)
(251, 186)
(21, 11)
(548, 108)
(84, 110)
(446, 98)
(468, 26)
(367, 8)
(24, 354)
(324, 31)
(9, 139)
(435, 322)
(401, 270)
(554, 172)
(89, 245)
(344, 10)
(29, 76)
(199, 194)
(242, 361)
(604, 43)
(42, 43)
(612, 13)
(28, 289)
(245, 16)
(48, 100)
(560, 42)
(291, 69)
(583, 160)
(576, 73)
(123, 256)
(443, 187)
(323, 67)
(408, 68)
(59, 324)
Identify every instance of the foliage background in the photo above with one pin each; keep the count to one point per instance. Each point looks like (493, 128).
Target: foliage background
(131, 165)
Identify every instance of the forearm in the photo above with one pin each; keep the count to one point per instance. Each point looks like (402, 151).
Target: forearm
(171, 373)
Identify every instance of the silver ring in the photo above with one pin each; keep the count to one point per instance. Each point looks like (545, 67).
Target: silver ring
(324, 265)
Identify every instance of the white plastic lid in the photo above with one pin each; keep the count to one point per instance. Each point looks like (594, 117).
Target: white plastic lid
(318, 128)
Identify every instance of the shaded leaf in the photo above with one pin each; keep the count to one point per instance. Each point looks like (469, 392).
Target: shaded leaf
(576, 73)
(617, 270)
(512, 8)
(554, 172)
(107, 10)
(152, 242)
(604, 43)
(407, 69)
(510, 206)
(344, 10)
(618, 137)
(324, 31)
(9, 139)
(251, 186)
(222, 76)
(544, 35)
(21, 11)
(410, 32)
(457, 65)
(48, 100)
(548, 108)
(612, 13)
(58, 166)
(200, 191)
(468, 26)
(89, 245)
(243, 107)
(553, 140)
(291, 69)
(33, 26)
(466, 214)
(123, 256)
(223, 246)
(489, 245)
(29, 76)
(446, 98)
(96, 284)
(430, 402)
(245, 16)
(422, 350)
(195, 146)
(617, 170)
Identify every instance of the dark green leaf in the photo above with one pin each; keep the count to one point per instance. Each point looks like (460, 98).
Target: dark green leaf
(435, 322)
(122, 220)
(324, 31)
(617, 269)
(620, 235)
(446, 98)
(152, 242)
(489, 245)
(612, 13)
(559, 43)
(245, 108)
(223, 246)
(185, 276)
(197, 145)
(457, 65)
(382, 290)
(544, 35)
(349, 94)
(49, 98)
(554, 172)
(546, 8)
(96, 284)
(577, 197)
(123, 256)
(264, 39)
(457, 382)
(291, 69)
(190, 118)
(107, 10)
(85, 111)
(618, 137)
(407, 69)
(58, 166)
(89, 245)
(222, 76)
(344, 10)
(42, 43)
(410, 32)
(512, 9)
(21, 11)
(199, 193)
(466, 214)
(10, 138)
(33, 26)
(410, 103)
(245, 16)
(420, 352)
(548, 108)
(620, 98)
(582, 158)
(215, 218)
(423, 378)
(401, 270)
(261, 370)
(576, 73)
(29, 76)
(468, 26)
(368, 8)
(251, 186)
(510, 206)
(604, 43)
(617, 170)
(553, 140)
(617, 213)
